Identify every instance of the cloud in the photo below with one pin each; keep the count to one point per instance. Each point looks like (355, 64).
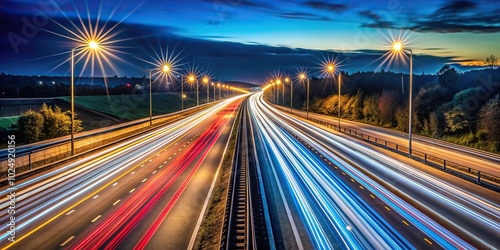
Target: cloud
(460, 16)
(251, 62)
(339, 8)
(375, 20)
(302, 16)
(241, 3)
(457, 7)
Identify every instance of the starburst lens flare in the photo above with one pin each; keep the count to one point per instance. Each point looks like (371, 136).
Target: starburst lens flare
(92, 41)
(396, 48)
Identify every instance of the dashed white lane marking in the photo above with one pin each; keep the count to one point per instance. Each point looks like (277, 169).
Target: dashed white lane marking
(116, 202)
(96, 218)
(66, 242)
(132, 190)
(70, 212)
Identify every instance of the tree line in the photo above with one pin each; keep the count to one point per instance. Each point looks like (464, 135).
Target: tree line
(463, 108)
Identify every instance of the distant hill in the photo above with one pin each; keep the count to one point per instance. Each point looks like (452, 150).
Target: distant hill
(240, 84)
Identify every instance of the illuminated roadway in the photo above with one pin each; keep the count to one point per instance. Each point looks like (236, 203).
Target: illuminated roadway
(146, 192)
(334, 192)
(466, 156)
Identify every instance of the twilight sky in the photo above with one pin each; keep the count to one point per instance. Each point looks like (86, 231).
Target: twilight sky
(248, 40)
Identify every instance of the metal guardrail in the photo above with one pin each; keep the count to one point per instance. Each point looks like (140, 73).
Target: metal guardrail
(466, 172)
(42, 156)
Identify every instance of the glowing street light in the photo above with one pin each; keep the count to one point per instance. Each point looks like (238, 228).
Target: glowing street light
(303, 77)
(206, 79)
(397, 48)
(272, 83)
(213, 86)
(330, 69)
(192, 79)
(92, 45)
(291, 93)
(278, 82)
(165, 69)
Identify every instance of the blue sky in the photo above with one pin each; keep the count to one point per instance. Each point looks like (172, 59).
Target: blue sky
(285, 34)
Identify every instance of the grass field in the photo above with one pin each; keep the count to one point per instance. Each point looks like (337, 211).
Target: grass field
(7, 122)
(131, 107)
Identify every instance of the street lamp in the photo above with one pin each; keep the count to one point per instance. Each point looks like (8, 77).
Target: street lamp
(330, 68)
(302, 77)
(91, 45)
(397, 47)
(182, 92)
(191, 79)
(278, 82)
(165, 69)
(291, 92)
(218, 86)
(205, 81)
(213, 86)
(273, 84)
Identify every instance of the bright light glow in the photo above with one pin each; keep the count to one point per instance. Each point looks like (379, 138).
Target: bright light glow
(191, 78)
(330, 65)
(205, 79)
(166, 68)
(287, 79)
(330, 68)
(93, 44)
(302, 76)
(278, 81)
(397, 46)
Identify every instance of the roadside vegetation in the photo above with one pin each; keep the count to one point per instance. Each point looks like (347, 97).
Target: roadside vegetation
(48, 123)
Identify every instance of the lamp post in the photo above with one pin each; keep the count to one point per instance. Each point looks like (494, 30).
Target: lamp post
(398, 47)
(278, 82)
(205, 81)
(291, 92)
(218, 85)
(182, 92)
(197, 93)
(92, 45)
(340, 83)
(165, 69)
(191, 79)
(302, 77)
(330, 68)
(213, 86)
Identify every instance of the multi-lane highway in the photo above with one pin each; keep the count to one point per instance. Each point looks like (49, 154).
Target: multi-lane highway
(341, 192)
(318, 190)
(466, 156)
(146, 192)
